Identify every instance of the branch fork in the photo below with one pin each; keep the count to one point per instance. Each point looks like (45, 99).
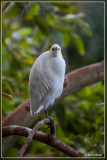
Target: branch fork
(31, 134)
(49, 138)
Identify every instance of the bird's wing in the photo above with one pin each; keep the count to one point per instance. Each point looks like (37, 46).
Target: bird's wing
(45, 75)
(39, 85)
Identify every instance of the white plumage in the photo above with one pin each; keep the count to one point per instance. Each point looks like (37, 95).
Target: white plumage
(46, 79)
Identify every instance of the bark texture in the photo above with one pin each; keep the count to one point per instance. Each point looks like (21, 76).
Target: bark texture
(49, 139)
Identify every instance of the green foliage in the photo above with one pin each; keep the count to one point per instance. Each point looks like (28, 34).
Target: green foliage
(33, 11)
(83, 119)
(30, 29)
(24, 32)
(78, 43)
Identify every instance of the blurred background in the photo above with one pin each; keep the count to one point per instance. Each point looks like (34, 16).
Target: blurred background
(29, 29)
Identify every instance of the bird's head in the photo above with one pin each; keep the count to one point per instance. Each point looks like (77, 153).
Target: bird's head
(55, 50)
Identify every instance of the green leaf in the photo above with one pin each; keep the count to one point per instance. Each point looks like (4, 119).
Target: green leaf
(67, 39)
(25, 31)
(13, 10)
(84, 25)
(65, 7)
(42, 24)
(62, 27)
(39, 35)
(25, 45)
(75, 18)
(78, 43)
(51, 19)
(34, 10)
(14, 25)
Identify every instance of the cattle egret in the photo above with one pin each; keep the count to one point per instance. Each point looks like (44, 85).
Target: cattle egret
(46, 80)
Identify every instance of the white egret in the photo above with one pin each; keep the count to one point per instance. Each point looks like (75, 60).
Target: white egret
(46, 80)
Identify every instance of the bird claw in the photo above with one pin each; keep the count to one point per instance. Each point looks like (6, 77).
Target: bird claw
(50, 124)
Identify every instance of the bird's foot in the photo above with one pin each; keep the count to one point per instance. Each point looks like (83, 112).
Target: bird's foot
(50, 124)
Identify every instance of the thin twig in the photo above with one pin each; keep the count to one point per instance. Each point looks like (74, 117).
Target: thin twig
(13, 53)
(7, 95)
(11, 83)
(31, 134)
(5, 6)
(44, 138)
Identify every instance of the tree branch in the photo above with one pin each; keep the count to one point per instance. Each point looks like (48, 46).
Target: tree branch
(49, 139)
(7, 95)
(31, 134)
(9, 49)
(74, 81)
(5, 6)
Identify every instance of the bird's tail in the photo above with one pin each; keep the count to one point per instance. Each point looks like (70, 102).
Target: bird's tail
(32, 113)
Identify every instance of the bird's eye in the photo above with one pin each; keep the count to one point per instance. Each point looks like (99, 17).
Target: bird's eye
(53, 49)
(58, 48)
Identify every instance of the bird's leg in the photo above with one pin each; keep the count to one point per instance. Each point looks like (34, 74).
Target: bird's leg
(46, 113)
(51, 123)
